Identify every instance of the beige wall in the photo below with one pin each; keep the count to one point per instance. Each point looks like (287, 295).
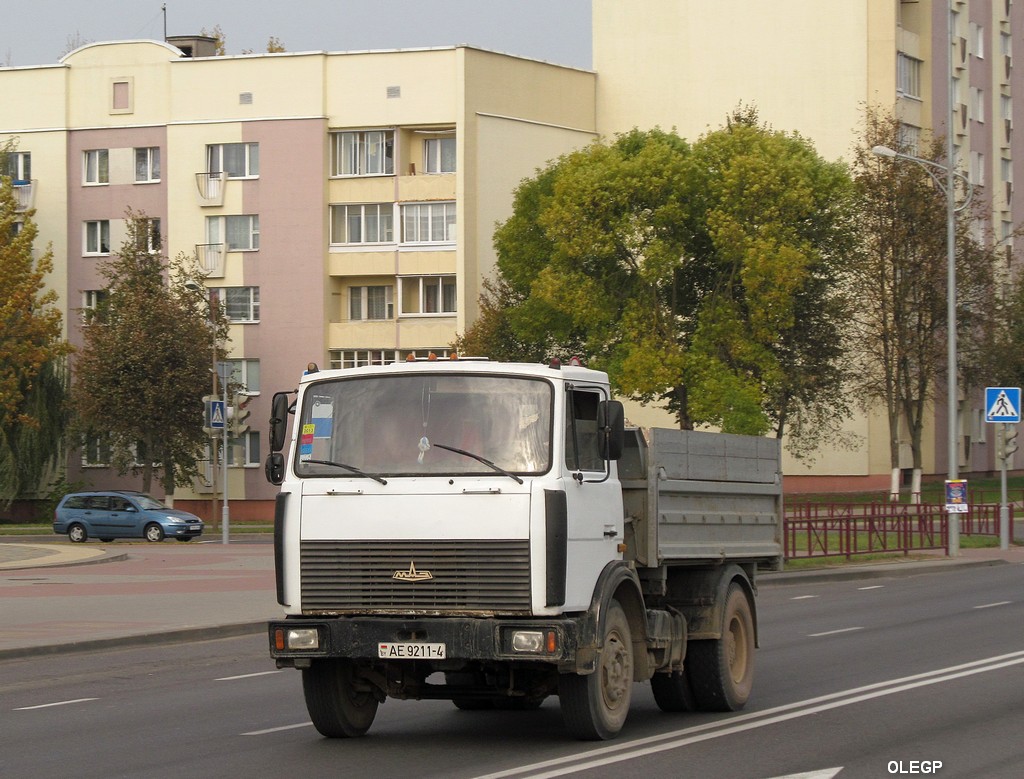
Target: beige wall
(689, 63)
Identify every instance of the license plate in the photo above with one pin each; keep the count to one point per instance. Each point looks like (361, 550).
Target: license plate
(408, 650)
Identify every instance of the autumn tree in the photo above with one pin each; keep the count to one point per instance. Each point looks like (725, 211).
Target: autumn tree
(699, 275)
(899, 325)
(32, 352)
(145, 363)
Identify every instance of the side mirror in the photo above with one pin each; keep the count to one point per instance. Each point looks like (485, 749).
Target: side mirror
(611, 428)
(278, 421)
(274, 468)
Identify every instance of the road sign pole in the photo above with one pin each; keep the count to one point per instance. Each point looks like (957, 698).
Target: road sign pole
(224, 520)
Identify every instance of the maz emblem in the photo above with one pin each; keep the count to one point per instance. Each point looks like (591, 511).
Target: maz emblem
(412, 575)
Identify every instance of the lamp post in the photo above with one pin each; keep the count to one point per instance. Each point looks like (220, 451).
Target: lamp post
(947, 186)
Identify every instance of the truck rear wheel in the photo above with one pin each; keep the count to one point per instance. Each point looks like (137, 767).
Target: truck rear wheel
(336, 706)
(594, 707)
(721, 671)
(672, 692)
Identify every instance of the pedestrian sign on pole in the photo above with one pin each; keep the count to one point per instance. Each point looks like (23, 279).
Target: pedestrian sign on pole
(1002, 404)
(217, 415)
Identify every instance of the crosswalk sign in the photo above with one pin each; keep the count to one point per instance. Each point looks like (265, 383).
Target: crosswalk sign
(1002, 404)
(217, 414)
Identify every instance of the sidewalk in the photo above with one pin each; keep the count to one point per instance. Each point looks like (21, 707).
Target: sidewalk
(63, 597)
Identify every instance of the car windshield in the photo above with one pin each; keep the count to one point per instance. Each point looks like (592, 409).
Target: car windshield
(428, 424)
(147, 503)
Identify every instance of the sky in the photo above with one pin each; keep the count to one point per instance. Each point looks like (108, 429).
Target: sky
(39, 32)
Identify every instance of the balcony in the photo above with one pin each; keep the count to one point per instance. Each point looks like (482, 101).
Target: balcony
(210, 188)
(24, 194)
(210, 257)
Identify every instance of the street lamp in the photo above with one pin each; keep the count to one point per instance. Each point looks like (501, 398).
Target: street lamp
(952, 209)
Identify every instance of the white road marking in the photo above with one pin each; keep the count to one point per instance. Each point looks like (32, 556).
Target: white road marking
(679, 738)
(804, 597)
(873, 587)
(246, 676)
(58, 703)
(833, 632)
(993, 605)
(824, 773)
(278, 730)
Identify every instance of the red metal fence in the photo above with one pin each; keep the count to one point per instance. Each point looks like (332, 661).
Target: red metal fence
(850, 529)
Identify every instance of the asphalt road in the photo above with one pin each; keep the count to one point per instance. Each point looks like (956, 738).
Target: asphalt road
(855, 679)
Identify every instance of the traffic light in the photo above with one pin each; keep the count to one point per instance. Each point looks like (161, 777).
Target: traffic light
(238, 413)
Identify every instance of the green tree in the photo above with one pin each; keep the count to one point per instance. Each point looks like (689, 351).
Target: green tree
(145, 363)
(899, 325)
(702, 275)
(32, 353)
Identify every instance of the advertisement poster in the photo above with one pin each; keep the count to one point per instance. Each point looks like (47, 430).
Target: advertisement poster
(956, 496)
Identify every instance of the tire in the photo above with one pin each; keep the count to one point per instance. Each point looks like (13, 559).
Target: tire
(336, 707)
(721, 671)
(184, 539)
(594, 706)
(77, 534)
(672, 692)
(106, 540)
(154, 532)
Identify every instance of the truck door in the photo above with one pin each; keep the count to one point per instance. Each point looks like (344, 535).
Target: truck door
(593, 501)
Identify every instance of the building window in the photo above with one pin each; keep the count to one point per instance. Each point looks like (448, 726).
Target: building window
(439, 155)
(355, 358)
(147, 164)
(908, 76)
(244, 451)
(238, 233)
(909, 139)
(236, 160)
(240, 304)
(97, 237)
(371, 303)
(95, 451)
(977, 104)
(363, 153)
(977, 33)
(96, 167)
(19, 167)
(977, 169)
(121, 96)
(364, 223)
(149, 236)
(92, 299)
(428, 222)
(426, 295)
(245, 374)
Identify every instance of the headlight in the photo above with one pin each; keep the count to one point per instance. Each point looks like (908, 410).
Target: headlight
(175, 521)
(296, 638)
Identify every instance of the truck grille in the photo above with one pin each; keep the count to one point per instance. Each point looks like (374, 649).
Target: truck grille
(465, 577)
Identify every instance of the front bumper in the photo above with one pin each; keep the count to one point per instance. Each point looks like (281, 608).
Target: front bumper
(464, 638)
(179, 531)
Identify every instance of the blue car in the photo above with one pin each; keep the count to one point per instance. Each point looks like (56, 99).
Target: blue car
(111, 514)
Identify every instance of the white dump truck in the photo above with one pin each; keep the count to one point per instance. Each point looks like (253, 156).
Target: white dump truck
(491, 534)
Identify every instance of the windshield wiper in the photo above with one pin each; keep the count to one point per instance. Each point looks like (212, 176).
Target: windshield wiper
(477, 457)
(347, 467)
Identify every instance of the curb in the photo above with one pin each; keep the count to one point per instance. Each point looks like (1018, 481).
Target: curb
(184, 635)
(877, 571)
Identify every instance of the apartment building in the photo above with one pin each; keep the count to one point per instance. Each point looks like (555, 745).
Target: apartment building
(814, 67)
(341, 205)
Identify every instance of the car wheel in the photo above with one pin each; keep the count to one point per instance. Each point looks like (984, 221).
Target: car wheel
(154, 532)
(106, 540)
(77, 533)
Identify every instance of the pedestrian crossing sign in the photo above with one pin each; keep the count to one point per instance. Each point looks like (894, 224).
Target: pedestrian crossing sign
(1002, 404)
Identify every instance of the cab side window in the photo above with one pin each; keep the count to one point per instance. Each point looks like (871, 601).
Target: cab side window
(582, 452)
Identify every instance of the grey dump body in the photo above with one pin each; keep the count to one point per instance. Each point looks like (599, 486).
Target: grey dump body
(695, 498)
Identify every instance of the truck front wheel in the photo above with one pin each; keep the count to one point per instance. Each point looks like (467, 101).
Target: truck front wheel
(594, 707)
(721, 671)
(336, 704)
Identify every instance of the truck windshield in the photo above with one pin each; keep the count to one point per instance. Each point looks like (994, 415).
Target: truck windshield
(429, 424)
